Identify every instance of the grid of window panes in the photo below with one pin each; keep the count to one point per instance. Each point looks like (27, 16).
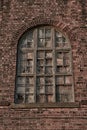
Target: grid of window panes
(44, 72)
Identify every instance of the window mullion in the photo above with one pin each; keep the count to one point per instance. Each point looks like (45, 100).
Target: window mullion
(54, 66)
(35, 63)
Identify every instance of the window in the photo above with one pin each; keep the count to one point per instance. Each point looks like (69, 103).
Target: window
(44, 67)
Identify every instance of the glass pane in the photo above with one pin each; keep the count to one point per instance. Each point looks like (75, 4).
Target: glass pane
(40, 54)
(48, 70)
(59, 55)
(59, 62)
(41, 43)
(48, 33)
(20, 98)
(29, 70)
(30, 89)
(40, 70)
(41, 89)
(49, 54)
(58, 34)
(30, 36)
(29, 62)
(48, 62)
(50, 98)
(41, 33)
(41, 98)
(48, 43)
(20, 89)
(30, 55)
(68, 79)
(23, 56)
(60, 80)
(60, 69)
(23, 43)
(40, 62)
(49, 89)
(49, 80)
(29, 44)
(40, 80)
(30, 98)
(31, 80)
(21, 80)
(68, 69)
(64, 97)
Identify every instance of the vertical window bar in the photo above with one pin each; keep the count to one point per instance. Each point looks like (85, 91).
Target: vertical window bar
(35, 63)
(54, 65)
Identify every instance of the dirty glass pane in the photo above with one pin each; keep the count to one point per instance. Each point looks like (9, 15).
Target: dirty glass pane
(40, 80)
(68, 79)
(40, 54)
(49, 98)
(41, 33)
(41, 98)
(48, 62)
(48, 54)
(20, 89)
(49, 80)
(40, 62)
(30, 98)
(48, 43)
(30, 55)
(41, 89)
(40, 70)
(60, 80)
(48, 33)
(20, 98)
(41, 42)
(48, 70)
(49, 89)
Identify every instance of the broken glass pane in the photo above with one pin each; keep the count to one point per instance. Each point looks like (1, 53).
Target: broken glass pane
(41, 43)
(59, 62)
(48, 54)
(20, 98)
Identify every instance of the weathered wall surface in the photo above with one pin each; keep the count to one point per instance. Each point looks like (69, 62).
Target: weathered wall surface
(16, 16)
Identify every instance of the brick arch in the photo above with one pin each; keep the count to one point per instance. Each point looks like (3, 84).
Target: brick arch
(62, 27)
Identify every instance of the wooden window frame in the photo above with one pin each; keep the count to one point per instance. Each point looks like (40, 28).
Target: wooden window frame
(54, 49)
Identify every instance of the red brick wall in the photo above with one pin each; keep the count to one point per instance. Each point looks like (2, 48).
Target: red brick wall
(16, 16)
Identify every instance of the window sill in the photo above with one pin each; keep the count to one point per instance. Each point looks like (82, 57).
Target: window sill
(48, 105)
